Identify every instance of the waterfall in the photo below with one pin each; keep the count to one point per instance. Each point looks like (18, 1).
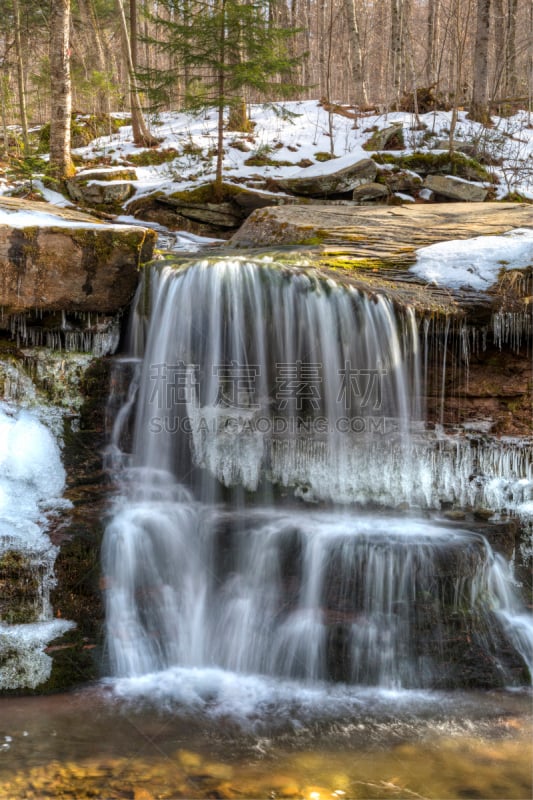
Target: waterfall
(256, 387)
(264, 374)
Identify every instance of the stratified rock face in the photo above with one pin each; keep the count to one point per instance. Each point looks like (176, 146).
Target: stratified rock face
(60, 260)
(322, 185)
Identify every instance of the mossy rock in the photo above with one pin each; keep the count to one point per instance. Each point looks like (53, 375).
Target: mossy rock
(390, 138)
(83, 129)
(19, 589)
(455, 164)
(153, 157)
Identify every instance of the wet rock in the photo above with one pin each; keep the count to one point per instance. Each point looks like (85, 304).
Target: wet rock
(247, 200)
(455, 189)
(188, 759)
(454, 514)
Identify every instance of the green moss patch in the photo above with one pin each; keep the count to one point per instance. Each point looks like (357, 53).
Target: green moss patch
(154, 157)
(455, 164)
(19, 589)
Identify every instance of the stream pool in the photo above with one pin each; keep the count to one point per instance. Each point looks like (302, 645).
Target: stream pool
(106, 741)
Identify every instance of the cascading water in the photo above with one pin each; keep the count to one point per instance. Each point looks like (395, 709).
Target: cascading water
(254, 382)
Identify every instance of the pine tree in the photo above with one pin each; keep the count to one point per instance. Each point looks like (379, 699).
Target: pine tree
(224, 48)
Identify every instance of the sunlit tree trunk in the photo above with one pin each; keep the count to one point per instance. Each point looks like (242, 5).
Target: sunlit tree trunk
(60, 165)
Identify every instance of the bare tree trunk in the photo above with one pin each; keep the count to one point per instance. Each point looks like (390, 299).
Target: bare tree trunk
(511, 75)
(221, 89)
(60, 165)
(4, 94)
(322, 57)
(459, 25)
(396, 47)
(499, 21)
(20, 78)
(479, 107)
(90, 23)
(432, 41)
(238, 111)
(359, 86)
(141, 134)
(134, 35)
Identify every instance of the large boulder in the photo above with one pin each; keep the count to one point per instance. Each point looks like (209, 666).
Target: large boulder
(332, 177)
(219, 215)
(390, 138)
(61, 260)
(455, 188)
(370, 193)
(102, 186)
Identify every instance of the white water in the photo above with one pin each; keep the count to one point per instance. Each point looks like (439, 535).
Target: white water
(243, 386)
(32, 480)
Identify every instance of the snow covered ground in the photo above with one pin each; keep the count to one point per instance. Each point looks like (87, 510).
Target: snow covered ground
(292, 138)
(295, 132)
(477, 262)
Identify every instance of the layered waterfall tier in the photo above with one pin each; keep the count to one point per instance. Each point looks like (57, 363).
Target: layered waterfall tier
(315, 596)
(251, 383)
(254, 373)
(263, 373)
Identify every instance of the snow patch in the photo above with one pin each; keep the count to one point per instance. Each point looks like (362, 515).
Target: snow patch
(474, 263)
(31, 219)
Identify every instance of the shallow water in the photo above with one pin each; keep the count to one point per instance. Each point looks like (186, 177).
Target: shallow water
(98, 743)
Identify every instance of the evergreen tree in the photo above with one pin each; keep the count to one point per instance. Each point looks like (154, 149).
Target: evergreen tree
(223, 48)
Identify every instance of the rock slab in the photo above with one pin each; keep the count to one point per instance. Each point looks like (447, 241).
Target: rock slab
(61, 260)
(455, 189)
(328, 183)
